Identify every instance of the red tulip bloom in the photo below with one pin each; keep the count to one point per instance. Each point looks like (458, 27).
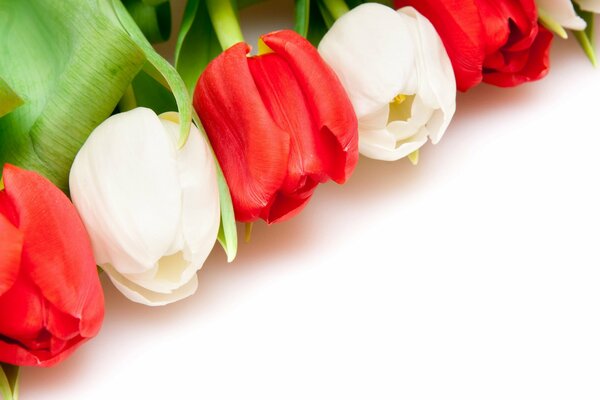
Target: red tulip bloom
(280, 123)
(497, 41)
(51, 300)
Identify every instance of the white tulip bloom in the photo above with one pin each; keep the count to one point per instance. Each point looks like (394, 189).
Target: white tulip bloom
(563, 13)
(397, 75)
(151, 209)
(589, 5)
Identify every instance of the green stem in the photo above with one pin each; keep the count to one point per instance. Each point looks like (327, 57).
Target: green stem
(225, 22)
(128, 101)
(336, 8)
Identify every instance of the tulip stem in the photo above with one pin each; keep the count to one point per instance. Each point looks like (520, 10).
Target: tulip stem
(225, 22)
(335, 8)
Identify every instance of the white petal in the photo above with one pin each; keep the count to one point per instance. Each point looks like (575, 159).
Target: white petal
(144, 296)
(562, 11)
(124, 183)
(371, 51)
(589, 5)
(436, 82)
(382, 145)
(200, 217)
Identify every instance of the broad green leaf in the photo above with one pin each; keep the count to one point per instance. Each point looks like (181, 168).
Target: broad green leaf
(9, 382)
(154, 20)
(69, 85)
(170, 76)
(197, 43)
(9, 100)
(302, 14)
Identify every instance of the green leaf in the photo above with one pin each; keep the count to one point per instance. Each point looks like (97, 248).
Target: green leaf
(302, 17)
(197, 43)
(317, 27)
(69, 85)
(168, 75)
(9, 100)
(151, 94)
(9, 382)
(152, 17)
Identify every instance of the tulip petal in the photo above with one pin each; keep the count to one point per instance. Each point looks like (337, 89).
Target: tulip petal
(200, 211)
(337, 143)
(125, 169)
(251, 149)
(22, 310)
(141, 295)
(537, 66)
(437, 86)
(461, 33)
(55, 240)
(589, 5)
(372, 51)
(562, 12)
(11, 244)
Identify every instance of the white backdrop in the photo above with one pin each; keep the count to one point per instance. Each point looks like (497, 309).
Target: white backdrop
(474, 275)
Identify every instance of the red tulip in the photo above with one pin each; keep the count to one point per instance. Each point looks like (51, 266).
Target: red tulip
(280, 123)
(497, 41)
(51, 300)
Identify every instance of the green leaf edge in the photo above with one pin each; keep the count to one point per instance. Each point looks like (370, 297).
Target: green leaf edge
(9, 100)
(168, 75)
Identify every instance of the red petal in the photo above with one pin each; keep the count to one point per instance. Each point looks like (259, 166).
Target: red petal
(335, 132)
(459, 25)
(536, 67)
(11, 244)
(22, 311)
(252, 149)
(57, 253)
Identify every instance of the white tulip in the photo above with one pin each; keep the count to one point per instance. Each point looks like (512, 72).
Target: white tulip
(589, 5)
(398, 76)
(151, 209)
(561, 12)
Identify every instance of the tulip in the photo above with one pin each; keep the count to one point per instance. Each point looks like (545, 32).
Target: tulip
(589, 5)
(50, 294)
(495, 41)
(562, 12)
(397, 75)
(280, 123)
(151, 209)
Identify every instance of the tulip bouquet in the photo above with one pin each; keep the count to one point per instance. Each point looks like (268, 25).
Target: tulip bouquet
(116, 161)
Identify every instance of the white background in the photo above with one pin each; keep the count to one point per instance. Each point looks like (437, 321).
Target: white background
(475, 275)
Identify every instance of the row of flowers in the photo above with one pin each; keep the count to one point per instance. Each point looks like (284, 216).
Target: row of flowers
(147, 199)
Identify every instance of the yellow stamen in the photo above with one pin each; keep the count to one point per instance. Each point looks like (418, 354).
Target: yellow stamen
(399, 99)
(414, 157)
(263, 48)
